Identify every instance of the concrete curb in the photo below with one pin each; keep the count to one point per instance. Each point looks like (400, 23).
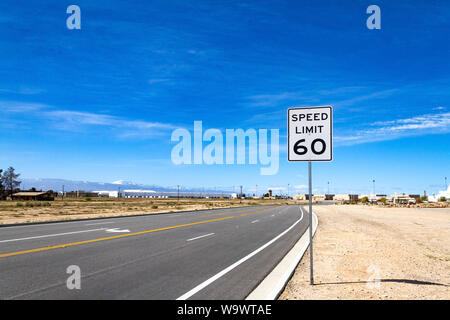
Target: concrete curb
(275, 282)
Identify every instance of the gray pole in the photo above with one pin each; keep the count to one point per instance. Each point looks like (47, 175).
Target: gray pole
(63, 193)
(178, 193)
(310, 227)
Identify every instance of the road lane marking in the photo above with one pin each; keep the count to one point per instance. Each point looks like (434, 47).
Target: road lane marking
(50, 235)
(117, 230)
(255, 221)
(206, 235)
(204, 284)
(4, 255)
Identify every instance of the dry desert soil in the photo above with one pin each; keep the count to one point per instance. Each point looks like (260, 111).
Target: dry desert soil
(370, 252)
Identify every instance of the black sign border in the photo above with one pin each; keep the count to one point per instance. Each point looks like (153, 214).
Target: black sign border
(331, 131)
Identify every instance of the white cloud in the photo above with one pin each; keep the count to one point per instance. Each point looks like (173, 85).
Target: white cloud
(390, 130)
(266, 100)
(77, 120)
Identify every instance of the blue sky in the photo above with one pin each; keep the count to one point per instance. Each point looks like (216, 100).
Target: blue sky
(100, 103)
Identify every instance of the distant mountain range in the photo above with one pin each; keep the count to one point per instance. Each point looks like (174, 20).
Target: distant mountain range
(71, 185)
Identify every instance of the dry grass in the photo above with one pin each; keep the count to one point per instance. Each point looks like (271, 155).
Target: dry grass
(79, 208)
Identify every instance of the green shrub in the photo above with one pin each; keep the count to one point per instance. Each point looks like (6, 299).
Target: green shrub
(154, 207)
(88, 199)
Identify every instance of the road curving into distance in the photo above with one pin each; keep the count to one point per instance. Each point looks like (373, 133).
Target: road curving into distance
(213, 254)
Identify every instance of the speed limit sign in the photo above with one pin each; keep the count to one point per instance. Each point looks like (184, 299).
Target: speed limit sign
(310, 134)
(310, 138)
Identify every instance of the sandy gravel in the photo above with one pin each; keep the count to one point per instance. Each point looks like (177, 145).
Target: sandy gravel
(365, 252)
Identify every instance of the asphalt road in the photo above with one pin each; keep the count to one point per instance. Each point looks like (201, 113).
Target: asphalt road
(214, 254)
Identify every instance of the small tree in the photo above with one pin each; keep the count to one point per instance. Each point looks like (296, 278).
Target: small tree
(364, 200)
(10, 180)
(443, 199)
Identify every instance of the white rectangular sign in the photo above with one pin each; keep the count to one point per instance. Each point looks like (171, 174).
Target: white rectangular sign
(310, 134)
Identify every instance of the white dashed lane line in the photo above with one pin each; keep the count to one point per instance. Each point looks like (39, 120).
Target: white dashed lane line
(203, 236)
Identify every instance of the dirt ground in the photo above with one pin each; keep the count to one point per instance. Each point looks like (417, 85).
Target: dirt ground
(365, 252)
(81, 208)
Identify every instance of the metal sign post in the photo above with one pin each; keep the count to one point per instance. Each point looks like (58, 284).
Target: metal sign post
(311, 269)
(310, 138)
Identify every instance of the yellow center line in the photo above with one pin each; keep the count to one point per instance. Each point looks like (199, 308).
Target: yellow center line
(4, 255)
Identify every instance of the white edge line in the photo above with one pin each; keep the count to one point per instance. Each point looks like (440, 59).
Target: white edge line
(50, 235)
(204, 284)
(272, 286)
(205, 235)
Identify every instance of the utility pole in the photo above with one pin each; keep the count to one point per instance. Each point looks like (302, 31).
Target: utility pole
(328, 187)
(178, 193)
(240, 196)
(256, 191)
(288, 191)
(63, 193)
(373, 187)
(118, 193)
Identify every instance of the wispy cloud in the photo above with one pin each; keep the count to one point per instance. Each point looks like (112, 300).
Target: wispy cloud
(371, 96)
(77, 121)
(270, 100)
(158, 80)
(23, 91)
(20, 107)
(395, 129)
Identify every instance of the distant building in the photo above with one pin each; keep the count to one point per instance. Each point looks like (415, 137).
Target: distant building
(109, 194)
(80, 194)
(346, 198)
(373, 197)
(329, 197)
(299, 197)
(36, 196)
(318, 197)
(404, 199)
